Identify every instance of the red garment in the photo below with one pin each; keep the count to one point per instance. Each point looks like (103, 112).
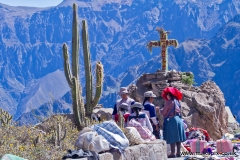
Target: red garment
(126, 115)
(207, 136)
(187, 148)
(173, 91)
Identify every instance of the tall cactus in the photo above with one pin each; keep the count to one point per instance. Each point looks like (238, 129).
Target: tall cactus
(73, 77)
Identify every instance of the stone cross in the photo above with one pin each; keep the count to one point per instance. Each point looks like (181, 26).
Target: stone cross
(164, 43)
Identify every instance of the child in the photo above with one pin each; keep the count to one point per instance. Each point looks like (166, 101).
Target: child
(124, 108)
(140, 116)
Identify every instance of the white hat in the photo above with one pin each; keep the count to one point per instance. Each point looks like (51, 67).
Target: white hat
(123, 90)
(149, 94)
(137, 105)
(124, 106)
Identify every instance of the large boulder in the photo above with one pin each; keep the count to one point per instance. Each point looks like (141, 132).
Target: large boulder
(202, 106)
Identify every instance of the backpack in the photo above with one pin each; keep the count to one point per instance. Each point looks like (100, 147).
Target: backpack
(145, 133)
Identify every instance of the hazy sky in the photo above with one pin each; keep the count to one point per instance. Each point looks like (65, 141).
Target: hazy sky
(31, 3)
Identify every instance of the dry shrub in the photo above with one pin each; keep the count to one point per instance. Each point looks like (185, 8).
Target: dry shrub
(32, 143)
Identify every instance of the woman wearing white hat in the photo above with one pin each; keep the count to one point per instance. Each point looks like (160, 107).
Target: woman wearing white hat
(149, 108)
(140, 116)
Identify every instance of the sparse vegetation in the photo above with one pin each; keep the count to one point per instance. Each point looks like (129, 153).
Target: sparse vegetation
(188, 78)
(32, 143)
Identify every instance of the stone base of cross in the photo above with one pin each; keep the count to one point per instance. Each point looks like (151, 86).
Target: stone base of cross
(164, 43)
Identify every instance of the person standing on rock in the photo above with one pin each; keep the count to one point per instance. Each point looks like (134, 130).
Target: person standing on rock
(124, 99)
(149, 109)
(173, 127)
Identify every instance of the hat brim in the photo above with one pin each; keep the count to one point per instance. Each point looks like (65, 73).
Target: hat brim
(174, 91)
(153, 96)
(123, 92)
(134, 106)
(123, 107)
(138, 107)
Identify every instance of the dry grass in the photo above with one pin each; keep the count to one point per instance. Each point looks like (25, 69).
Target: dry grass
(31, 143)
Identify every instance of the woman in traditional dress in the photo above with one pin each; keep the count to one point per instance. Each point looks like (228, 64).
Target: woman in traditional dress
(140, 116)
(173, 127)
(149, 109)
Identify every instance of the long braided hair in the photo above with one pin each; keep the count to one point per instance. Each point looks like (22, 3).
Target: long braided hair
(146, 99)
(137, 110)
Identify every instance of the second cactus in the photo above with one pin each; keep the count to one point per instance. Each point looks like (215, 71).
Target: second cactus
(82, 112)
(5, 118)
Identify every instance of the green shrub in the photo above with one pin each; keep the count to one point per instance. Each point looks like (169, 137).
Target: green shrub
(188, 78)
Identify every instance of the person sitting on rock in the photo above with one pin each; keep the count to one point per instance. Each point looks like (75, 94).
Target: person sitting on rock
(149, 109)
(124, 108)
(140, 116)
(124, 99)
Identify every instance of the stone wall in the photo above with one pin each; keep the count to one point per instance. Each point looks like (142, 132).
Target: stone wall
(154, 151)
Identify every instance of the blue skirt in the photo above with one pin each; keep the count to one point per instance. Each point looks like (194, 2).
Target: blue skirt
(174, 131)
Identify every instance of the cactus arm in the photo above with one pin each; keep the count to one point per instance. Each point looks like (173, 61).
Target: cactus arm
(88, 69)
(99, 84)
(75, 43)
(75, 98)
(67, 70)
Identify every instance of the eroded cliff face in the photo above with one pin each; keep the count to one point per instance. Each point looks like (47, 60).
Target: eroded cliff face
(202, 106)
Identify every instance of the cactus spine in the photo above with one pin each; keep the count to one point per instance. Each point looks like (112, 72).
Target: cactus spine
(5, 118)
(73, 77)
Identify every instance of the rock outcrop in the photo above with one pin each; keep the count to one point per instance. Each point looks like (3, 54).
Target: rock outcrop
(202, 106)
(232, 123)
(105, 113)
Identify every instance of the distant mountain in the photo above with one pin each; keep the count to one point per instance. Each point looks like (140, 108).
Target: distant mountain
(216, 59)
(31, 41)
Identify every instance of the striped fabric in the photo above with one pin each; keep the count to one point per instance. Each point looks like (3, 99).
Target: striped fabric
(113, 134)
(145, 133)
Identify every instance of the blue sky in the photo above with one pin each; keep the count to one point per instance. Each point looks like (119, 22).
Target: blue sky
(31, 3)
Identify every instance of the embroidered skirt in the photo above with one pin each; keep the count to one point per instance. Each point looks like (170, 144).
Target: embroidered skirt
(173, 131)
